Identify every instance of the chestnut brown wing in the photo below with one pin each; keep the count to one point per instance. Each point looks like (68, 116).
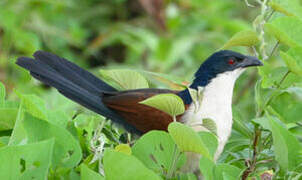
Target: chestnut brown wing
(143, 117)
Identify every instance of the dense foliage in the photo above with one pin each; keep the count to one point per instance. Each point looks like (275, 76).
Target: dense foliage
(45, 135)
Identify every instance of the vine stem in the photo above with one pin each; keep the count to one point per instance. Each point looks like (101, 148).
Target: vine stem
(257, 131)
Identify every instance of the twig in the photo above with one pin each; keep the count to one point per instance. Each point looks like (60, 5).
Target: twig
(253, 162)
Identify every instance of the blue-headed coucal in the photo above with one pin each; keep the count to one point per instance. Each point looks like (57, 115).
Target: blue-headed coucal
(217, 75)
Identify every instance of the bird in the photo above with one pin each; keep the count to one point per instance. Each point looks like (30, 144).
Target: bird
(216, 75)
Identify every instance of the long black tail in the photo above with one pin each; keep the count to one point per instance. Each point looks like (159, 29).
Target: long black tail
(72, 81)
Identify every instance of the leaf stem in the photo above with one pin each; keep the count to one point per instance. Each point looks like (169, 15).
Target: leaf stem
(174, 119)
(274, 49)
(283, 78)
(270, 15)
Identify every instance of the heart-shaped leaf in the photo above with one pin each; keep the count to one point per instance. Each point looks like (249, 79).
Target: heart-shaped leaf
(155, 149)
(67, 151)
(125, 79)
(187, 139)
(168, 103)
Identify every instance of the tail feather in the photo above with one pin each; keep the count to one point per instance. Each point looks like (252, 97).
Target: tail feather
(73, 72)
(73, 82)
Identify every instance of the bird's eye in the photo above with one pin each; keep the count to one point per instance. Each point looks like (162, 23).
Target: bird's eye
(231, 61)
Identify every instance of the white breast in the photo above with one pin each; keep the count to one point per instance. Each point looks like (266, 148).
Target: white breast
(216, 104)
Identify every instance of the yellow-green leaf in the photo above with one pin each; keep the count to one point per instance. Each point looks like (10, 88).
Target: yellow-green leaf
(124, 148)
(168, 103)
(243, 38)
(187, 139)
(287, 7)
(125, 79)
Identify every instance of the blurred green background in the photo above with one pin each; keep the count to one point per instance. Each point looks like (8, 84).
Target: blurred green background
(166, 36)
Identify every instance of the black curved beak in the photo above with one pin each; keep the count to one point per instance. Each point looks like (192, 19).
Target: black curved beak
(250, 61)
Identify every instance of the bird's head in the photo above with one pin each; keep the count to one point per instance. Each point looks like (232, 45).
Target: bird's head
(221, 62)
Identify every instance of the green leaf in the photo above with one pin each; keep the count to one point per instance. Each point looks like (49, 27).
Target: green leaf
(18, 136)
(186, 176)
(287, 7)
(125, 79)
(226, 170)
(286, 146)
(286, 30)
(58, 118)
(243, 38)
(121, 166)
(168, 103)
(210, 141)
(288, 106)
(30, 161)
(174, 82)
(88, 123)
(88, 174)
(124, 148)
(67, 151)
(26, 41)
(7, 118)
(293, 60)
(239, 124)
(207, 168)
(263, 122)
(155, 149)
(34, 105)
(210, 125)
(187, 139)
(2, 94)
(4, 141)
(272, 76)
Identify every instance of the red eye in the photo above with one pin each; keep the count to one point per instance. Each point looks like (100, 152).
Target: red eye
(231, 61)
